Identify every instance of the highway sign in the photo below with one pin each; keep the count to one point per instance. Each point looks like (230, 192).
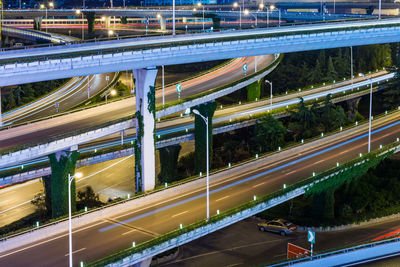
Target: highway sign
(178, 87)
(311, 237)
(244, 67)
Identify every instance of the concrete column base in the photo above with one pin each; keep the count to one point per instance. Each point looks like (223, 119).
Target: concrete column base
(145, 122)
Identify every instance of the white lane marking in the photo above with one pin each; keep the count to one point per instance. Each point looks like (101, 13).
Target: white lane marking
(221, 198)
(176, 215)
(49, 240)
(21, 204)
(257, 185)
(76, 251)
(133, 230)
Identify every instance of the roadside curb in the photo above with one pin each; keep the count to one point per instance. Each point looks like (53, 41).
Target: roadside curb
(349, 226)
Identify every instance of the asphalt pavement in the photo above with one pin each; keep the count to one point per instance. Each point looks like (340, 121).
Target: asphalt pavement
(242, 244)
(44, 130)
(228, 189)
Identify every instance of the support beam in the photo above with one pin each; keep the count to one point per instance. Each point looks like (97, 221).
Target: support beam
(62, 163)
(207, 110)
(145, 125)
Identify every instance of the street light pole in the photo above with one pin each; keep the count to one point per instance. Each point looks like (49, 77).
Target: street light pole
(351, 63)
(70, 178)
(163, 96)
(195, 111)
(173, 17)
(270, 100)
(370, 112)
(240, 14)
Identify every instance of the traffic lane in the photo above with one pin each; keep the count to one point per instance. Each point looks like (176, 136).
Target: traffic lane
(14, 197)
(79, 120)
(173, 223)
(242, 244)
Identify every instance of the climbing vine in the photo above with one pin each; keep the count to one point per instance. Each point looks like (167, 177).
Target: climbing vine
(207, 110)
(138, 148)
(169, 163)
(347, 174)
(62, 164)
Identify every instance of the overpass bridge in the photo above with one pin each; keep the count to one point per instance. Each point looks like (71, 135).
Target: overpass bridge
(111, 56)
(143, 54)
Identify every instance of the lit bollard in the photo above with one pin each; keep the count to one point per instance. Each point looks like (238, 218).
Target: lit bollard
(129, 196)
(229, 165)
(85, 209)
(337, 164)
(133, 244)
(254, 198)
(256, 156)
(166, 185)
(180, 226)
(200, 174)
(217, 212)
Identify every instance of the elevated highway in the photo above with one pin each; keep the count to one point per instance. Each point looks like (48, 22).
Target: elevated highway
(112, 56)
(151, 218)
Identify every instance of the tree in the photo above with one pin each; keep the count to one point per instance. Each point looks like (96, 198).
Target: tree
(88, 199)
(11, 101)
(331, 73)
(270, 133)
(315, 76)
(18, 92)
(303, 120)
(328, 113)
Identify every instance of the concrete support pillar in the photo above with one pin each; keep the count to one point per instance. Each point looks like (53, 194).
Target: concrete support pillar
(169, 163)
(107, 22)
(254, 91)
(145, 121)
(207, 110)
(163, 23)
(145, 263)
(62, 163)
(37, 23)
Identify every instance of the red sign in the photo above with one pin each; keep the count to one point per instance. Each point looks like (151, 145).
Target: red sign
(294, 251)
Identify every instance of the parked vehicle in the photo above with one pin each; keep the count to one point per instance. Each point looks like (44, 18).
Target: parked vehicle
(277, 226)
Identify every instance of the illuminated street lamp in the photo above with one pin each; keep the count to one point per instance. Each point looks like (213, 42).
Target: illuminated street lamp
(370, 111)
(195, 111)
(272, 7)
(110, 33)
(270, 84)
(42, 6)
(200, 5)
(70, 178)
(235, 5)
(78, 12)
(113, 92)
(247, 12)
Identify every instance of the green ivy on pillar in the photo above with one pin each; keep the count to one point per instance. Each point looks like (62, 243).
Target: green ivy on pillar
(207, 110)
(90, 16)
(62, 163)
(254, 91)
(169, 163)
(138, 150)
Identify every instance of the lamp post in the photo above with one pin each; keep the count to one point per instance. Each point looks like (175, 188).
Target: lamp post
(42, 6)
(272, 7)
(110, 33)
(173, 17)
(70, 178)
(247, 12)
(270, 84)
(195, 111)
(240, 13)
(112, 93)
(370, 112)
(163, 96)
(200, 5)
(79, 12)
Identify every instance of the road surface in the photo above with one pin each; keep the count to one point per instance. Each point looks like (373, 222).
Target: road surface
(228, 189)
